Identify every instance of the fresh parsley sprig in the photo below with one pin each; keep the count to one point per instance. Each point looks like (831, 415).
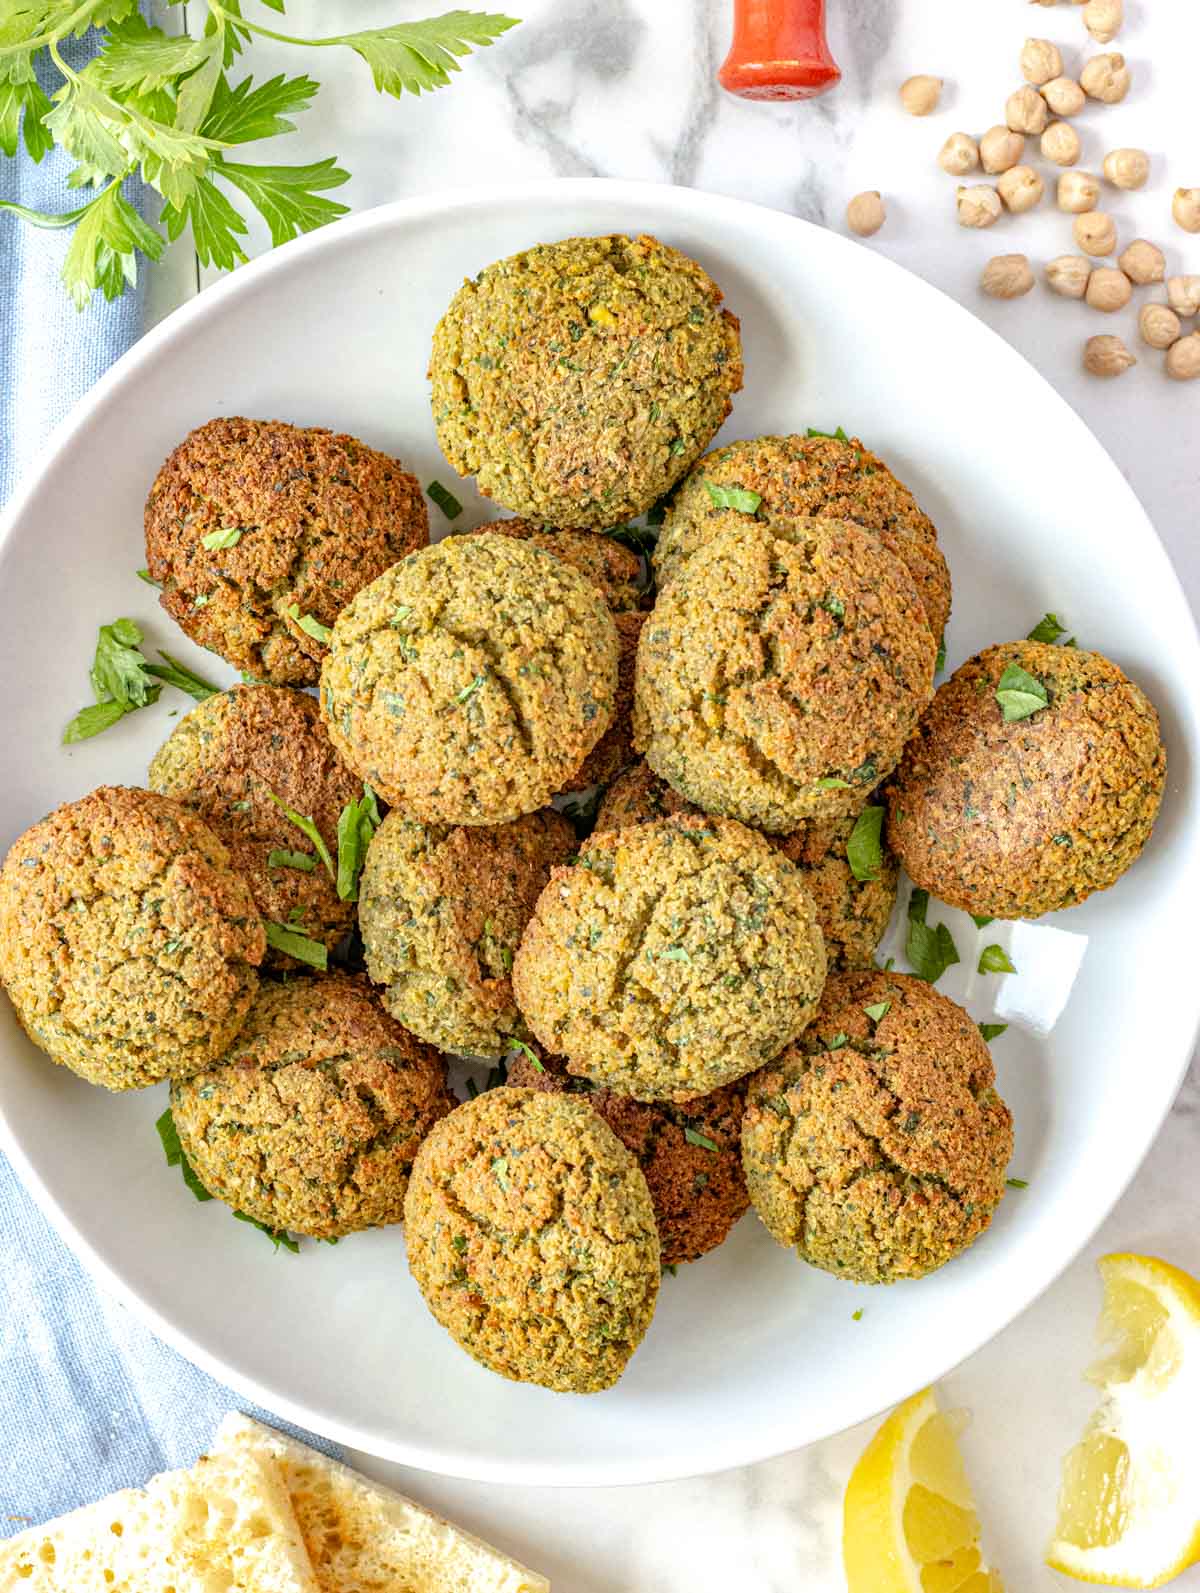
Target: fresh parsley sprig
(163, 107)
(123, 680)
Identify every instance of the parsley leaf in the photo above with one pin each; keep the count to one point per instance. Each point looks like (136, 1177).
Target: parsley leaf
(939, 662)
(416, 57)
(994, 959)
(1048, 629)
(877, 1011)
(514, 1044)
(831, 782)
(739, 498)
(307, 827)
(244, 113)
(992, 1031)
(445, 500)
(288, 197)
(102, 253)
(278, 857)
(864, 849)
(1020, 694)
(982, 920)
(1017, 1183)
(173, 1150)
(278, 1236)
(929, 951)
(310, 626)
(694, 1137)
(123, 681)
(837, 436)
(227, 538)
(357, 824)
(173, 673)
(294, 944)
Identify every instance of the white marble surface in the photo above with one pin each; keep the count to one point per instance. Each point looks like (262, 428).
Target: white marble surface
(627, 88)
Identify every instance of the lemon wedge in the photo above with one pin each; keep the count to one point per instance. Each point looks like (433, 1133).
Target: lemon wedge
(909, 1522)
(1129, 1507)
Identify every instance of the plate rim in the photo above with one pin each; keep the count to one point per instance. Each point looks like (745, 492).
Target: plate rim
(729, 1452)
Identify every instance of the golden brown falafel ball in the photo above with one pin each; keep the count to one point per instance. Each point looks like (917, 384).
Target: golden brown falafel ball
(607, 563)
(531, 1234)
(226, 760)
(260, 533)
(614, 750)
(853, 913)
(673, 958)
(1018, 818)
(801, 477)
(579, 380)
(443, 910)
(128, 944)
(876, 1146)
(691, 1155)
(468, 684)
(311, 1120)
(782, 671)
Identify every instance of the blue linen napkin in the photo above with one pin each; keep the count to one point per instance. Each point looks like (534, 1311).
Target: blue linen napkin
(91, 1401)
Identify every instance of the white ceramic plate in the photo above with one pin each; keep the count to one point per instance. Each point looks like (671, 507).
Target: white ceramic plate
(751, 1353)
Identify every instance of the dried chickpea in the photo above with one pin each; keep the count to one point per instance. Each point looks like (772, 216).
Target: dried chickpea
(1127, 168)
(1061, 144)
(978, 206)
(1143, 262)
(1064, 96)
(1107, 356)
(1108, 290)
(1040, 61)
(1069, 275)
(1185, 207)
(1000, 149)
(1078, 191)
(1183, 295)
(865, 214)
(1183, 358)
(1106, 78)
(1096, 233)
(960, 155)
(1021, 188)
(1026, 111)
(920, 95)
(1104, 19)
(1159, 325)
(1008, 276)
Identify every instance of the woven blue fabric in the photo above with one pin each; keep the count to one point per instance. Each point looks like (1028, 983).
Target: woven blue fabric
(91, 1400)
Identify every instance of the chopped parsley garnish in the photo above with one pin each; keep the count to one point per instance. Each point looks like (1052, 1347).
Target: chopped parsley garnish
(445, 500)
(308, 828)
(144, 575)
(304, 861)
(939, 662)
(994, 959)
(982, 920)
(500, 1168)
(1017, 1183)
(857, 1316)
(864, 849)
(739, 498)
(514, 1044)
(468, 692)
(357, 824)
(929, 951)
(1048, 629)
(173, 1150)
(694, 1137)
(992, 1031)
(835, 436)
(310, 626)
(172, 673)
(672, 1267)
(294, 944)
(279, 1237)
(678, 954)
(838, 1041)
(831, 782)
(877, 1011)
(123, 681)
(1020, 694)
(229, 538)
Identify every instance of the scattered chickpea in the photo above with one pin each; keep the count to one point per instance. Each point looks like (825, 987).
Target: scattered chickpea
(1040, 61)
(1159, 325)
(1069, 275)
(960, 155)
(1060, 144)
(1096, 233)
(1143, 262)
(1106, 78)
(1026, 111)
(920, 95)
(1000, 149)
(1064, 96)
(865, 214)
(1021, 188)
(1127, 168)
(1104, 19)
(978, 206)
(1107, 356)
(1185, 207)
(1183, 358)
(1108, 290)
(1183, 295)
(1008, 276)
(1078, 191)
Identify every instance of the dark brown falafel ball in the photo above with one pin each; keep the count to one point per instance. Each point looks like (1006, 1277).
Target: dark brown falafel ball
(129, 945)
(853, 913)
(311, 1120)
(691, 1155)
(800, 477)
(226, 760)
(260, 533)
(607, 563)
(1017, 818)
(876, 1145)
(782, 671)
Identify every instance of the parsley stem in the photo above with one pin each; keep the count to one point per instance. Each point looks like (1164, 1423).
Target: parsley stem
(79, 16)
(47, 218)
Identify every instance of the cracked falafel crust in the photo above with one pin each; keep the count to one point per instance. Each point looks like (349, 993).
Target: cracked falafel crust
(579, 380)
(311, 1120)
(129, 946)
(226, 758)
(442, 910)
(608, 564)
(297, 518)
(1018, 819)
(673, 958)
(531, 1235)
(853, 913)
(798, 478)
(782, 671)
(876, 1146)
(469, 682)
(691, 1155)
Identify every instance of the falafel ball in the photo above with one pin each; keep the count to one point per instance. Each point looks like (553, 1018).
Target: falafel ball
(531, 1235)
(1013, 818)
(469, 682)
(782, 671)
(259, 533)
(607, 563)
(442, 911)
(579, 380)
(673, 958)
(226, 760)
(614, 750)
(797, 478)
(311, 1120)
(853, 913)
(129, 944)
(691, 1156)
(876, 1146)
